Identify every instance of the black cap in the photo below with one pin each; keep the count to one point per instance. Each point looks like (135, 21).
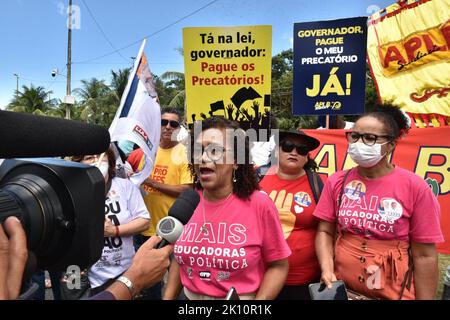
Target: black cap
(310, 142)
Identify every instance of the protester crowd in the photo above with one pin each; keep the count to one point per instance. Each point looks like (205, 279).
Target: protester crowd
(268, 233)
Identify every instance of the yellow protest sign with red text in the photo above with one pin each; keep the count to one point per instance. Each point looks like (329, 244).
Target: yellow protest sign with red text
(228, 73)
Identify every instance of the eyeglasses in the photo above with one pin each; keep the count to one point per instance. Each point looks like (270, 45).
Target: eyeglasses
(173, 123)
(368, 139)
(214, 152)
(288, 146)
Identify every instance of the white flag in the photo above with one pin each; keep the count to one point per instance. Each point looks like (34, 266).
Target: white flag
(138, 118)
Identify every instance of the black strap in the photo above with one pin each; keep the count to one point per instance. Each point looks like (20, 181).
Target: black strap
(316, 184)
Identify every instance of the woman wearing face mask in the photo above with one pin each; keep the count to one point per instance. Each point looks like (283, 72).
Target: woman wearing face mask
(388, 228)
(234, 238)
(292, 188)
(125, 215)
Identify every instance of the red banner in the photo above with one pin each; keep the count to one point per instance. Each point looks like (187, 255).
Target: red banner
(425, 152)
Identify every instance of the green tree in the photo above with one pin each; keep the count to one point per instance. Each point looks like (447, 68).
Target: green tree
(177, 97)
(98, 105)
(282, 64)
(282, 76)
(371, 91)
(119, 82)
(32, 100)
(281, 104)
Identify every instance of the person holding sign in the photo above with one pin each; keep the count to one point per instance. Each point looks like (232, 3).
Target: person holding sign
(387, 218)
(234, 238)
(125, 215)
(295, 194)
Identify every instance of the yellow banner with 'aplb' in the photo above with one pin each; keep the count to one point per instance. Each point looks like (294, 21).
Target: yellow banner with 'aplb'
(408, 46)
(228, 73)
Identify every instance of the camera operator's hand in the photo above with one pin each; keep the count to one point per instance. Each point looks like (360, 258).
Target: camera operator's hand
(148, 267)
(13, 257)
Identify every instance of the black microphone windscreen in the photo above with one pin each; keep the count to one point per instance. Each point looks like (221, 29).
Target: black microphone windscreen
(184, 207)
(24, 135)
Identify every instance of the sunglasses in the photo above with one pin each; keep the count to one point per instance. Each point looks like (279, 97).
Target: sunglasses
(288, 146)
(173, 123)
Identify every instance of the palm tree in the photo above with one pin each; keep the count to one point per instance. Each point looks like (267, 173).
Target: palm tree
(59, 110)
(119, 82)
(176, 80)
(32, 100)
(95, 101)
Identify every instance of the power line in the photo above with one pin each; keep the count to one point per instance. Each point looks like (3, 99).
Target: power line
(52, 82)
(150, 35)
(101, 30)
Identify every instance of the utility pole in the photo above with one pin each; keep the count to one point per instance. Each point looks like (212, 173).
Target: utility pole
(69, 59)
(17, 85)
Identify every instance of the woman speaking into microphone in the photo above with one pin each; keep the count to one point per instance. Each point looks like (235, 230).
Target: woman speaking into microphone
(234, 238)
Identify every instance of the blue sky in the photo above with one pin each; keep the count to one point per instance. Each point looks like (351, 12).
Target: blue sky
(33, 33)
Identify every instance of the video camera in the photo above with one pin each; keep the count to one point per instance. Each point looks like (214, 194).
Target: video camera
(60, 203)
(61, 207)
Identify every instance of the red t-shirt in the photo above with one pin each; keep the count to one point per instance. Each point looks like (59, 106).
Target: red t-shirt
(295, 203)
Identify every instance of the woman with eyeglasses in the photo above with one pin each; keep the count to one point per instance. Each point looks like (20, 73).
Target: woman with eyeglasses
(386, 218)
(125, 215)
(234, 238)
(290, 185)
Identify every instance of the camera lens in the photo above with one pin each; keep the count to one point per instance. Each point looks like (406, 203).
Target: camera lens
(60, 205)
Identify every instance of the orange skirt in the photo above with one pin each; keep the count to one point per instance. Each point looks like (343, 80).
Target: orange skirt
(374, 268)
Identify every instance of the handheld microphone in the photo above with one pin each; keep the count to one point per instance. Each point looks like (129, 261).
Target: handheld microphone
(25, 135)
(170, 228)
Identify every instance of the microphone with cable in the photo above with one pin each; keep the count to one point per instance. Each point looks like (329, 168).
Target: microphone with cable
(30, 136)
(170, 228)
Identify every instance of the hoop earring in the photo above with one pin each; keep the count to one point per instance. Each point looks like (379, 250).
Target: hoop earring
(234, 176)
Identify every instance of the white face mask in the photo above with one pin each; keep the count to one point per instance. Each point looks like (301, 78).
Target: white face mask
(364, 155)
(103, 167)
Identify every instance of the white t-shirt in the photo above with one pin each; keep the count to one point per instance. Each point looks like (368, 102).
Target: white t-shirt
(123, 204)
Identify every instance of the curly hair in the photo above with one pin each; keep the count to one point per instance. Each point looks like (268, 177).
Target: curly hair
(393, 119)
(245, 174)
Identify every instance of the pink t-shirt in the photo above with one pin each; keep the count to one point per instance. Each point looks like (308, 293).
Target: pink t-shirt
(243, 236)
(397, 206)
